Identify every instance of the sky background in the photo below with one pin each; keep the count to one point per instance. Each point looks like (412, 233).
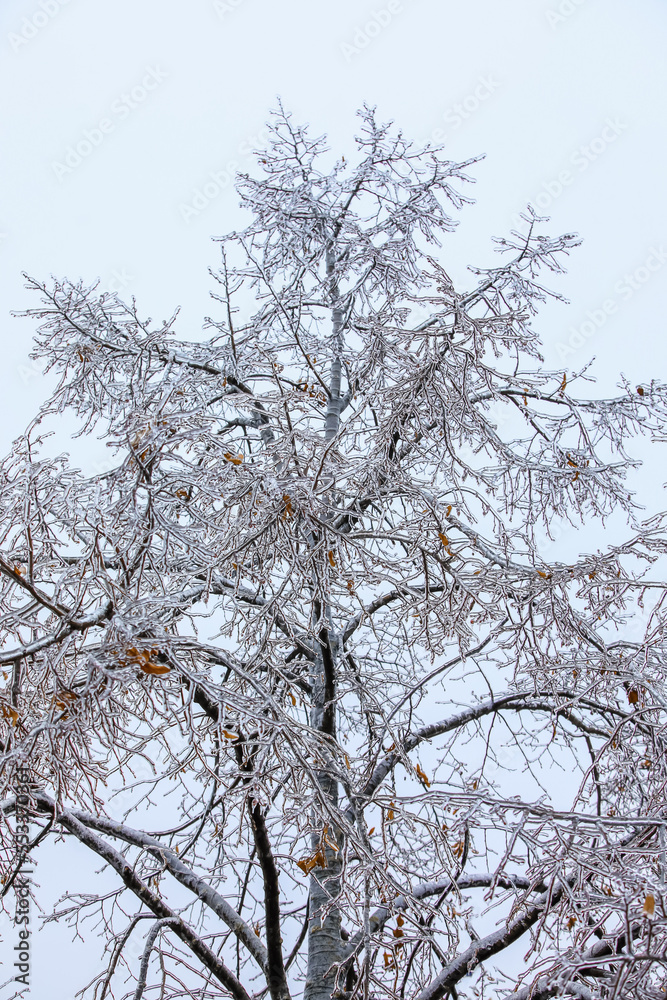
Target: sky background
(565, 98)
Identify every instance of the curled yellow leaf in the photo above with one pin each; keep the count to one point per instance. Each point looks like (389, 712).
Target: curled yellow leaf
(155, 669)
(317, 860)
(288, 509)
(422, 777)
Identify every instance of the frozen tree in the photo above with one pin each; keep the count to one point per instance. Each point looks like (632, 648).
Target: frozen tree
(305, 668)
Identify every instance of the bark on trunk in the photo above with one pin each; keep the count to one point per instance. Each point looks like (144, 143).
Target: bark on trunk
(324, 940)
(332, 419)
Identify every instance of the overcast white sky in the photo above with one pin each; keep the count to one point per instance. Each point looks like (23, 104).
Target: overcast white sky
(566, 98)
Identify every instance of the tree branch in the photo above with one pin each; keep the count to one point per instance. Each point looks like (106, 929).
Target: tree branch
(116, 861)
(183, 874)
(475, 881)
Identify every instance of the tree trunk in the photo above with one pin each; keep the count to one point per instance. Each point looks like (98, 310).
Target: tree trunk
(324, 940)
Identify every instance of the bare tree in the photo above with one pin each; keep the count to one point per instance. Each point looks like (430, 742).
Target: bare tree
(311, 629)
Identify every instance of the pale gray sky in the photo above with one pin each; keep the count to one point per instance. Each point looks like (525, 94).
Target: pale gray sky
(566, 98)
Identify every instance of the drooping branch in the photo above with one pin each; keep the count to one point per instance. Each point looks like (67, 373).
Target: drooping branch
(119, 864)
(480, 880)
(491, 944)
(181, 872)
